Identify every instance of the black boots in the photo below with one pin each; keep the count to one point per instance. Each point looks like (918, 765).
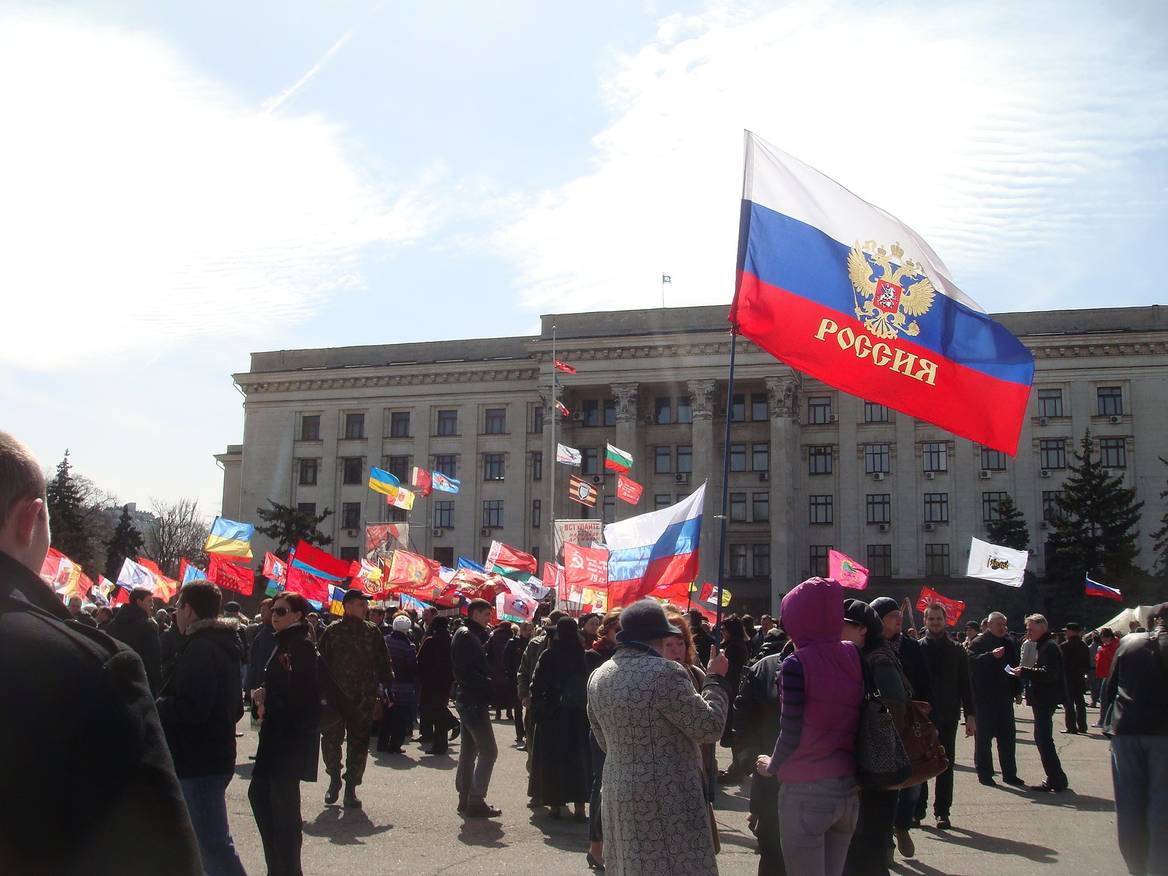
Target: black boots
(334, 790)
(351, 801)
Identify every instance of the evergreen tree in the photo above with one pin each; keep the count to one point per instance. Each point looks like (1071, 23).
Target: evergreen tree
(126, 542)
(1095, 532)
(1009, 530)
(286, 526)
(1161, 536)
(68, 516)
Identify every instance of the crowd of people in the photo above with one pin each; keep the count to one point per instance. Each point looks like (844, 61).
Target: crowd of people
(620, 715)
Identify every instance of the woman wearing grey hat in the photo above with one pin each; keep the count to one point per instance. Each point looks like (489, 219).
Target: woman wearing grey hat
(650, 722)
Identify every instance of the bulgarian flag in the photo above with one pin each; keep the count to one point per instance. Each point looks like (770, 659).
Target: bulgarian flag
(616, 459)
(563, 410)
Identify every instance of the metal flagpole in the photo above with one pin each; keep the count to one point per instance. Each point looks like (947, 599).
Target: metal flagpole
(713, 779)
(553, 414)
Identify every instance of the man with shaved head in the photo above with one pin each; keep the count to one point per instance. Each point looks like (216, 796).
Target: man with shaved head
(994, 691)
(83, 745)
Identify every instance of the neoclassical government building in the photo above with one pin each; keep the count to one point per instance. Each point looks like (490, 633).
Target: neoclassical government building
(810, 467)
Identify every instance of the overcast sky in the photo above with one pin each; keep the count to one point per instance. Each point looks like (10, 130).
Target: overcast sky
(182, 184)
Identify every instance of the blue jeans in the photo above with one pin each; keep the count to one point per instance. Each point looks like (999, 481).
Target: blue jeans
(1139, 771)
(208, 810)
(816, 822)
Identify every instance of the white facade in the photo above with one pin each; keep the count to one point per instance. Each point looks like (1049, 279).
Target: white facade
(803, 452)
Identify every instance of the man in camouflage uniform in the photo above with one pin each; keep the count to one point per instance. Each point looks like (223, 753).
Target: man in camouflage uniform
(357, 659)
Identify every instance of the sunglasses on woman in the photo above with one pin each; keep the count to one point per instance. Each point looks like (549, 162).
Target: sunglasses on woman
(280, 611)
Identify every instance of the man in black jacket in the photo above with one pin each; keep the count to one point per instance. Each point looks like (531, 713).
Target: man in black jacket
(994, 691)
(201, 703)
(83, 744)
(1045, 694)
(1137, 696)
(1077, 665)
(756, 725)
(951, 693)
(473, 691)
(134, 626)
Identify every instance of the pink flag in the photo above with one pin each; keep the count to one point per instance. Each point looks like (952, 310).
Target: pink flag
(845, 570)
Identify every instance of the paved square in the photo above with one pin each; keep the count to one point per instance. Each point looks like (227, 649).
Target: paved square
(409, 825)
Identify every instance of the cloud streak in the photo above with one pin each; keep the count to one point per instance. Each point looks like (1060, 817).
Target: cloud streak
(1009, 137)
(145, 205)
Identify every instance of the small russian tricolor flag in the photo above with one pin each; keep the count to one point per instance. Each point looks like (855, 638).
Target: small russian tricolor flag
(1094, 588)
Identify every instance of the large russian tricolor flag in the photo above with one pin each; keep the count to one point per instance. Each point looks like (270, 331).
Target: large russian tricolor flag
(843, 291)
(654, 550)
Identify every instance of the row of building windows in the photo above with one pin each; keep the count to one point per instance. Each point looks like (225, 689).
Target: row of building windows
(668, 410)
(1052, 454)
(878, 559)
(744, 508)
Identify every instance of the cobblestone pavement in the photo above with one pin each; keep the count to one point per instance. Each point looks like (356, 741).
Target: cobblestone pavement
(408, 824)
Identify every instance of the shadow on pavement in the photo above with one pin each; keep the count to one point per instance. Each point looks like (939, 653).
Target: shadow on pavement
(393, 761)
(244, 770)
(732, 802)
(916, 868)
(564, 834)
(1071, 800)
(483, 832)
(982, 842)
(437, 761)
(344, 827)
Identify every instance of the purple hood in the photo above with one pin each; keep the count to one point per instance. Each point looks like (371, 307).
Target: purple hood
(813, 612)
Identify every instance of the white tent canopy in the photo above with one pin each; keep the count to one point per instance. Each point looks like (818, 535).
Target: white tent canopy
(1140, 614)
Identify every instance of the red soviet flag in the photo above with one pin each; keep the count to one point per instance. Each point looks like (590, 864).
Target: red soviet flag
(953, 607)
(628, 490)
(229, 575)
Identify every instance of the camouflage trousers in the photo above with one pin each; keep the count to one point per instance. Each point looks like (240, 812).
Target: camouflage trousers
(355, 734)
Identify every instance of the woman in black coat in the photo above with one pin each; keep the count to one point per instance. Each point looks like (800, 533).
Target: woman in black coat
(561, 770)
(289, 746)
(435, 678)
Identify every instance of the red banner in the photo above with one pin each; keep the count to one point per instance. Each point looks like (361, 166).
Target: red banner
(275, 569)
(230, 576)
(553, 577)
(323, 561)
(953, 607)
(409, 572)
(585, 567)
(307, 585)
(628, 490)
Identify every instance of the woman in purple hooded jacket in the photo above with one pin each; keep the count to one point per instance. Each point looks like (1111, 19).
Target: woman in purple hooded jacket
(822, 687)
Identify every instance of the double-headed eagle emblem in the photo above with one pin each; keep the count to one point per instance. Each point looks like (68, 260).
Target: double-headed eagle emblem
(892, 288)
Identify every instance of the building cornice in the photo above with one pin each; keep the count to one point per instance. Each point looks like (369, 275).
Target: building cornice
(616, 349)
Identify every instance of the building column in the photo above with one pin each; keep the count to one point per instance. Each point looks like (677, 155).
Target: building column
(626, 439)
(547, 490)
(701, 398)
(783, 401)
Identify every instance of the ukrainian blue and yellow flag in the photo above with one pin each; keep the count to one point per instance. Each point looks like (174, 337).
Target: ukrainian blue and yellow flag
(229, 538)
(381, 481)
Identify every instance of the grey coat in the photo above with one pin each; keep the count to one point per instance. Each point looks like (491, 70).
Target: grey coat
(649, 720)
